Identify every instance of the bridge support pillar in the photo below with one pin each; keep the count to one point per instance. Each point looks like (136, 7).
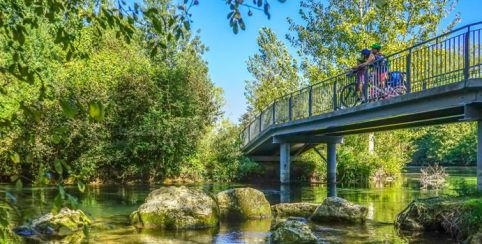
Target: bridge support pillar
(479, 155)
(285, 163)
(331, 177)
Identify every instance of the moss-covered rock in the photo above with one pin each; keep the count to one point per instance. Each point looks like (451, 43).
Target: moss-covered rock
(292, 231)
(457, 216)
(339, 210)
(176, 208)
(66, 225)
(243, 203)
(299, 209)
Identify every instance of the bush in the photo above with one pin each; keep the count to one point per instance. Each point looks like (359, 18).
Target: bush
(154, 113)
(453, 144)
(219, 156)
(463, 189)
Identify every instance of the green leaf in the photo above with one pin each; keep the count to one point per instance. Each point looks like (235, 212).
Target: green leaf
(58, 202)
(72, 201)
(80, 185)
(58, 166)
(19, 184)
(61, 191)
(242, 25)
(15, 157)
(66, 166)
(56, 138)
(187, 25)
(69, 108)
(96, 111)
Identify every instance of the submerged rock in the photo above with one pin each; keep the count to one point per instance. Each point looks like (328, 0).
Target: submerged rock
(243, 203)
(292, 231)
(299, 209)
(65, 223)
(176, 208)
(458, 217)
(339, 210)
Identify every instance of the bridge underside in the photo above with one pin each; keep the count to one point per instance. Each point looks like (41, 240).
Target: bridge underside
(441, 105)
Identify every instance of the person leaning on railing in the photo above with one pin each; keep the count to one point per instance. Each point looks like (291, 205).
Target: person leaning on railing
(378, 64)
(360, 70)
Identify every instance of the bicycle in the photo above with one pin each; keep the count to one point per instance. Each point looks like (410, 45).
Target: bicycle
(394, 86)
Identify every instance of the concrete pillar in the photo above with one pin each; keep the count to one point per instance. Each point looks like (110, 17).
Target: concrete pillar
(479, 155)
(285, 162)
(284, 193)
(331, 177)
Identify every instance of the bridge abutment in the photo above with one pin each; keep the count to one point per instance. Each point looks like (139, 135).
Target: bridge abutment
(285, 163)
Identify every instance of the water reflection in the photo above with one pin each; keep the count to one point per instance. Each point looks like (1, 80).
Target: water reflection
(111, 205)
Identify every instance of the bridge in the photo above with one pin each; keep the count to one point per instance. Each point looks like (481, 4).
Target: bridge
(437, 81)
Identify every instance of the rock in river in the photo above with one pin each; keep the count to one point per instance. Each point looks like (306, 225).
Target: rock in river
(176, 208)
(292, 231)
(64, 223)
(299, 209)
(243, 203)
(339, 210)
(457, 216)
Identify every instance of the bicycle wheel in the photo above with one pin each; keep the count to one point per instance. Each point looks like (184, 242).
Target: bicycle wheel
(349, 96)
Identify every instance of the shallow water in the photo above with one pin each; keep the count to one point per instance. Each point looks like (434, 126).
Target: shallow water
(110, 206)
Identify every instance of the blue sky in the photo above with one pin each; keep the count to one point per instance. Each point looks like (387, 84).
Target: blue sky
(228, 52)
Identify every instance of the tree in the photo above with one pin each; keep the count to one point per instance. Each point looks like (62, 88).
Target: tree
(275, 72)
(333, 33)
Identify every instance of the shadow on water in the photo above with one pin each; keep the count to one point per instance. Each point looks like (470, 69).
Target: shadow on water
(110, 206)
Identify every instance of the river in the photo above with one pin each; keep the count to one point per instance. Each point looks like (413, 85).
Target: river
(110, 206)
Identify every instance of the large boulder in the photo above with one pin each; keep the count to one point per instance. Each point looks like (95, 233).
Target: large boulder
(299, 209)
(292, 231)
(65, 223)
(457, 216)
(335, 209)
(243, 203)
(176, 208)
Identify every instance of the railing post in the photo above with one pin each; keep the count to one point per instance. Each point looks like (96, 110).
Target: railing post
(467, 54)
(366, 78)
(249, 132)
(408, 71)
(274, 112)
(310, 102)
(334, 96)
(290, 108)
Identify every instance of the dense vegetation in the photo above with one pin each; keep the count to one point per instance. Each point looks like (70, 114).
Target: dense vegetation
(121, 113)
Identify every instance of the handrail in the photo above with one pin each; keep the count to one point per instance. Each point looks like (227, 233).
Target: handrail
(423, 67)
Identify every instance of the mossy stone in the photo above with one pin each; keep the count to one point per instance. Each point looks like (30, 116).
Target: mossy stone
(243, 203)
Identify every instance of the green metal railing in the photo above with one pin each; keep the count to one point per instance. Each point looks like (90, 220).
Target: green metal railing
(448, 58)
